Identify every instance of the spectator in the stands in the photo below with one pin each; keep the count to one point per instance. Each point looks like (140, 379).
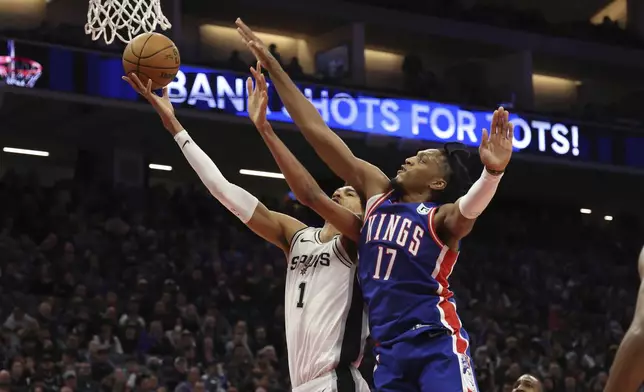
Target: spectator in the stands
(236, 63)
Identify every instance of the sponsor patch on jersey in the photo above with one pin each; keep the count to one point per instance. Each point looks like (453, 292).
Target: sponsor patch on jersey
(423, 209)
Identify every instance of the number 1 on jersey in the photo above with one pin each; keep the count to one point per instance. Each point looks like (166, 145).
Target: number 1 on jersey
(300, 302)
(392, 258)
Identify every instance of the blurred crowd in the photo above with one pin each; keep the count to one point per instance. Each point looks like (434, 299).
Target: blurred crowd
(515, 18)
(107, 289)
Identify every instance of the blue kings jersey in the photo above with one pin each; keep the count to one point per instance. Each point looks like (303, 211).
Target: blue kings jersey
(404, 269)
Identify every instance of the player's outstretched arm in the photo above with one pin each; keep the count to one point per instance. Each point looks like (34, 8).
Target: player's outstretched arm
(306, 189)
(272, 226)
(363, 176)
(495, 150)
(627, 372)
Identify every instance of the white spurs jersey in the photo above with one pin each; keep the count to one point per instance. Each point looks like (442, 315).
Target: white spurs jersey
(326, 321)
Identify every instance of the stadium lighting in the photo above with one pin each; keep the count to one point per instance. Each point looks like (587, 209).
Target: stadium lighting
(23, 151)
(259, 173)
(585, 211)
(608, 218)
(155, 166)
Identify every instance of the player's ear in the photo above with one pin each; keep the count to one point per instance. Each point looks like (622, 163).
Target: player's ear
(437, 184)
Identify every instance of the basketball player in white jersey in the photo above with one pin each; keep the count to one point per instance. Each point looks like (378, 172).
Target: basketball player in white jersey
(326, 325)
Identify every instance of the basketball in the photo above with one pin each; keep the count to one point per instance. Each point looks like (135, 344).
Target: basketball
(152, 56)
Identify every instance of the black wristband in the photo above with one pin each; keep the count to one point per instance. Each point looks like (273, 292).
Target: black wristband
(495, 172)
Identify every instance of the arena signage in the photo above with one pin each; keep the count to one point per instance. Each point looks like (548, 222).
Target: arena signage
(360, 112)
(98, 74)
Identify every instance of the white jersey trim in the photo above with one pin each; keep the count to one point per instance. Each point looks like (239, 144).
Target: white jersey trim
(340, 252)
(295, 237)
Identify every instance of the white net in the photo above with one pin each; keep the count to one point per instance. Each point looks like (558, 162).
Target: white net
(124, 19)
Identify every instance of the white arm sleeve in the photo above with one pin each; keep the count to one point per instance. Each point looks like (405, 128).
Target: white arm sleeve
(479, 195)
(237, 200)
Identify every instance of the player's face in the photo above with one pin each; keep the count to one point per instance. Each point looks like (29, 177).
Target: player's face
(348, 198)
(422, 171)
(526, 383)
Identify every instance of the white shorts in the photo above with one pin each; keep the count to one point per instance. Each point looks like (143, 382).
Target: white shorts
(335, 381)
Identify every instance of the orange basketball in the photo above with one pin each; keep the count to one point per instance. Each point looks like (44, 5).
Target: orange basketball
(152, 56)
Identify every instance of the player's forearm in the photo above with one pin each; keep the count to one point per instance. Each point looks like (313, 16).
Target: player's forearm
(173, 125)
(326, 143)
(479, 196)
(627, 371)
(237, 200)
(299, 179)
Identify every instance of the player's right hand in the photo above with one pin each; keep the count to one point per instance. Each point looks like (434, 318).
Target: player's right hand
(257, 46)
(161, 104)
(257, 97)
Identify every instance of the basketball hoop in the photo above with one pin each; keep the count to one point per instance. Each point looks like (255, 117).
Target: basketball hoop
(124, 19)
(19, 71)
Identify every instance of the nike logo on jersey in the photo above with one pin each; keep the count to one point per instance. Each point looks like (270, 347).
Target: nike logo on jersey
(303, 240)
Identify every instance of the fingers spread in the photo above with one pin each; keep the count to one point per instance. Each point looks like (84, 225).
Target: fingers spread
(148, 88)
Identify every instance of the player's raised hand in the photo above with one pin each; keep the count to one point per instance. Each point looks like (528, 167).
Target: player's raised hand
(161, 104)
(257, 97)
(257, 46)
(496, 145)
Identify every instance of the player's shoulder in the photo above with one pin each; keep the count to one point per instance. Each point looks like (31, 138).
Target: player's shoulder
(377, 199)
(306, 235)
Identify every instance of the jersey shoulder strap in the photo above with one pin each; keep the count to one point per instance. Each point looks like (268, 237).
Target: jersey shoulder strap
(340, 252)
(374, 201)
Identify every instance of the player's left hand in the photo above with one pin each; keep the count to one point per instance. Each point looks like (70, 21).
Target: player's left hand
(257, 47)
(496, 145)
(257, 97)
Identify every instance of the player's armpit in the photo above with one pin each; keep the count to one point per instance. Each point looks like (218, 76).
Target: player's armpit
(274, 227)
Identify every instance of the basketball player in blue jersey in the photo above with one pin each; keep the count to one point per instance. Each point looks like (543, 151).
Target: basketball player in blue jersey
(409, 242)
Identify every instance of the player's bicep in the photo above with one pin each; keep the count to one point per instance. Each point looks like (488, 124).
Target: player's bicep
(348, 223)
(274, 227)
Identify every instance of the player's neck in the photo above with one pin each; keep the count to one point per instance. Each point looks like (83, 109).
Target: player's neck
(415, 197)
(328, 232)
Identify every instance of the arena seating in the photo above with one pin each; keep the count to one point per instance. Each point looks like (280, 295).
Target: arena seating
(119, 290)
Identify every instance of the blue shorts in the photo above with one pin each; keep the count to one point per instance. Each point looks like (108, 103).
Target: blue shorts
(435, 361)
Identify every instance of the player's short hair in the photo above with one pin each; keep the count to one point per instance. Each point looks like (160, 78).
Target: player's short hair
(456, 174)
